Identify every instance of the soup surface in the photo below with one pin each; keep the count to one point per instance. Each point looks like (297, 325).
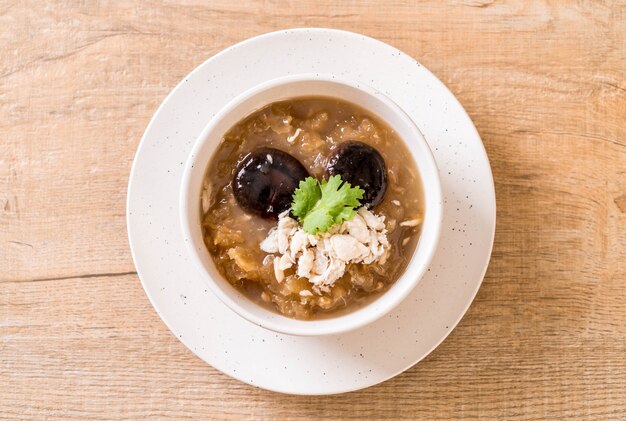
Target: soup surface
(310, 129)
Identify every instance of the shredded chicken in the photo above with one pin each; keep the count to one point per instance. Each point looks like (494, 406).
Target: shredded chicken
(323, 258)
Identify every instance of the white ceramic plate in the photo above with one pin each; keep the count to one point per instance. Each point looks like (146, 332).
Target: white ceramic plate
(311, 365)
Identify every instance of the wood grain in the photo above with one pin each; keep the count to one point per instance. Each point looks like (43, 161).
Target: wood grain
(544, 82)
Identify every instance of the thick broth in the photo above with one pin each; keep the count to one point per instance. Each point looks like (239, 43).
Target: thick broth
(308, 128)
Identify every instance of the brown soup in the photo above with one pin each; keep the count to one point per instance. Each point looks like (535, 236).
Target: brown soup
(308, 128)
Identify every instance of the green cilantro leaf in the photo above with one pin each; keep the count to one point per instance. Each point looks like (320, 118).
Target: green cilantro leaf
(319, 207)
(346, 214)
(305, 197)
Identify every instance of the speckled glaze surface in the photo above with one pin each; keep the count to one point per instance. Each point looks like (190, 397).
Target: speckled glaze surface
(311, 365)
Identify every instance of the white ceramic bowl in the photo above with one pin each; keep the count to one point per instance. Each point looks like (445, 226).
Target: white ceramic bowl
(286, 88)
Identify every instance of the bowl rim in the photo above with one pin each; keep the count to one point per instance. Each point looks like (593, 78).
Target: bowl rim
(332, 325)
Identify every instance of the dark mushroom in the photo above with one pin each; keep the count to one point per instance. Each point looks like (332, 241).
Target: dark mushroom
(265, 180)
(360, 165)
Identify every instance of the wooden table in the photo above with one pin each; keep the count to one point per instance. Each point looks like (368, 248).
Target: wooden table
(544, 82)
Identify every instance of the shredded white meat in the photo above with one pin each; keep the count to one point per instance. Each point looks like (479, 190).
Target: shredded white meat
(323, 258)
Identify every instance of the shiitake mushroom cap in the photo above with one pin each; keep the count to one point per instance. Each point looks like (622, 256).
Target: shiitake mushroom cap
(360, 165)
(264, 181)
